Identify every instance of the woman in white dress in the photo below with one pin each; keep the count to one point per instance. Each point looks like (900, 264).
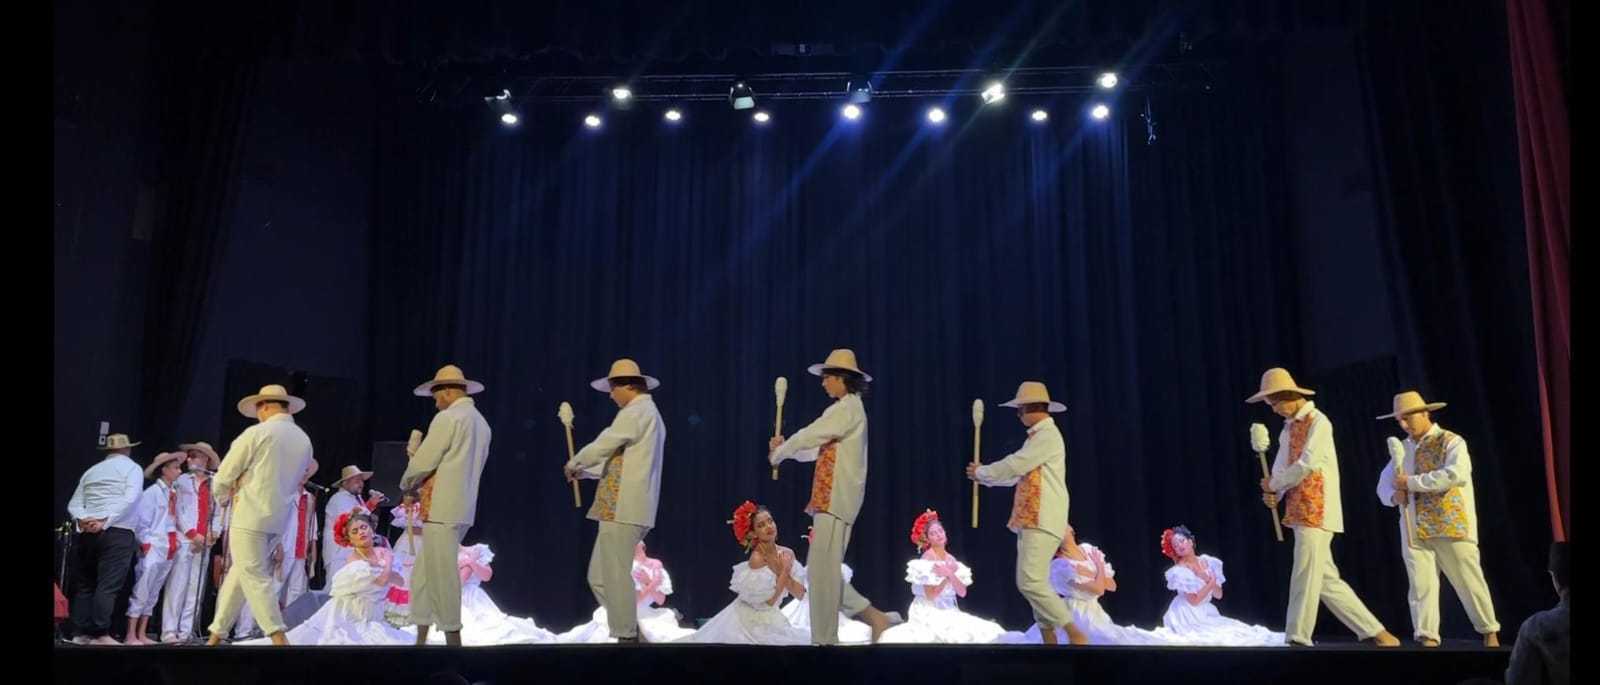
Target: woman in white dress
(761, 584)
(651, 585)
(851, 631)
(482, 622)
(1081, 574)
(937, 578)
(1191, 618)
(354, 613)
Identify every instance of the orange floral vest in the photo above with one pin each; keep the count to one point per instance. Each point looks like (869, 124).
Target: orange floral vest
(822, 479)
(605, 495)
(1302, 506)
(1438, 514)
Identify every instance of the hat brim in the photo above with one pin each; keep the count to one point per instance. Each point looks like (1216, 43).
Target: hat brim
(817, 369)
(108, 448)
(1055, 407)
(247, 406)
(150, 471)
(604, 384)
(364, 475)
(1431, 406)
(426, 389)
(1261, 396)
(211, 455)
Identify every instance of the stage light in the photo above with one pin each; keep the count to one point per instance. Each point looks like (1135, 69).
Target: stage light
(1100, 112)
(1039, 116)
(741, 96)
(673, 115)
(508, 119)
(935, 115)
(1108, 80)
(994, 92)
(621, 93)
(860, 90)
(762, 117)
(851, 112)
(592, 121)
(504, 95)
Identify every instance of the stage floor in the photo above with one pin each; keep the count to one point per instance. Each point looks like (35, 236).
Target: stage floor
(663, 664)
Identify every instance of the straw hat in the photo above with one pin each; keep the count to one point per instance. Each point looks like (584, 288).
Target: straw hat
(159, 461)
(277, 393)
(449, 374)
(118, 441)
(351, 471)
(841, 359)
(623, 368)
(1275, 381)
(212, 460)
(1034, 392)
(1410, 402)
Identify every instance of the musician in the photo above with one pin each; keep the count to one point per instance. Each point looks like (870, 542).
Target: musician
(199, 521)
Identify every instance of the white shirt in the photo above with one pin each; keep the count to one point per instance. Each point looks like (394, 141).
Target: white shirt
(455, 450)
(1455, 473)
(108, 491)
(640, 433)
(262, 472)
(1045, 448)
(154, 517)
(1317, 456)
(844, 422)
(188, 487)
(291, 525)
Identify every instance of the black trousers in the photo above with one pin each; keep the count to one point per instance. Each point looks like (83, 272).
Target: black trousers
(100, 566)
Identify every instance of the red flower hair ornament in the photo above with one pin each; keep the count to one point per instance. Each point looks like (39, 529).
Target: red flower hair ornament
(919, 528)
(340, 537)
(743, 519)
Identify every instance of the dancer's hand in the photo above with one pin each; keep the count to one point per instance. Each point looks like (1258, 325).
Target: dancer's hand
(774, 443)
(1400, 481)
(1266, 485)
(1269, 499)
(972, 471)
(1399, 498)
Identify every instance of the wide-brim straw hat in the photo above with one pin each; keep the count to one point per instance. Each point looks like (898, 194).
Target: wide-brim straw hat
(212, 460)
(1410, 402)
(841, 359)
(118, 441)
(275, 393)
(623, 368)
(449, 374)
(1034, 392)
(1276, 381)
(351, 471)
(161, 460)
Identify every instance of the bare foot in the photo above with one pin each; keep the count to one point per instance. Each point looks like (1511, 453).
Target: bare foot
(1074, 635)
(1491, 639)
(1429, 642)
(877, 619)
(1384, 639)
(280, 639)
(214, 639)
(1047, 634)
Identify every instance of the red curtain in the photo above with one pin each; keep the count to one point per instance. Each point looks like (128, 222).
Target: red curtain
(1544, 142)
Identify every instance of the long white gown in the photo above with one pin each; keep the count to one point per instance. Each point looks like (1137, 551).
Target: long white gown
(354, 612)
(851, 631)
(483, 624)
(749, 620)
(1201, 624)
(1087, 613)
(939, 620)
(656, 624)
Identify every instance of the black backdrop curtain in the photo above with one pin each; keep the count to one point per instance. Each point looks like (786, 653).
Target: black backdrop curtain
(1147, 285)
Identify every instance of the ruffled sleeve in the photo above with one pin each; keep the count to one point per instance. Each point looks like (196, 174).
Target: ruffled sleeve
(797, 571)
(1183, 580)
(1091, 551)
(754, 586)
(665, 587)
(357, 577)
(1062, 575)
(1215, 565)
(920, 572)
(963, 573)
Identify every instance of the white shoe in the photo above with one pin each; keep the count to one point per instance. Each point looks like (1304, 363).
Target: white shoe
(81, 640)
(105, 640)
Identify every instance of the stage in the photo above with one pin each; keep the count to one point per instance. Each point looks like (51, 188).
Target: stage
(922, 664)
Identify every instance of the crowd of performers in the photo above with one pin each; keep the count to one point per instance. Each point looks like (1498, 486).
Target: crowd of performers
(426, 587)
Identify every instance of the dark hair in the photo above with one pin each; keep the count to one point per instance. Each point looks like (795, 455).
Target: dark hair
(361, 516)
(446, 386)
(1032, 407)
(634, 382)
(1284, 396)
(1561, 563)
(854, 383)
(280, 403)
(1184, 531)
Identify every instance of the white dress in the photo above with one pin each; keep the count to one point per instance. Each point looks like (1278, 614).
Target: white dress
(656, 624)
(483, 624)
(1201, 624)
(1087, 614)
(749, 620)
(353, 614)
(851, 631)
(939, 620)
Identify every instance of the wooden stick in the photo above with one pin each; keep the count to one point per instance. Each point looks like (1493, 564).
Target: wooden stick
(977, 434)
(1277, 525)
(780, 389)
(565, 414)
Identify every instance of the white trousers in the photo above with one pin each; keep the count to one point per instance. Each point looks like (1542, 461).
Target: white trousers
(183, 582)
(149, 575)
(1459, 561)
(249, 580)
(1314, 578)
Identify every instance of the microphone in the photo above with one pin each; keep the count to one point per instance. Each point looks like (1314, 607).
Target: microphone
(318, 488)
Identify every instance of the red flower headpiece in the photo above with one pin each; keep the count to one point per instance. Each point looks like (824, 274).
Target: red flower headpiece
(1166, 541)
(919, 528)
(340, 537)
(743, 518)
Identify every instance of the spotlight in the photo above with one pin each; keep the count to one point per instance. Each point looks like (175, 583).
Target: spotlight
(673, 115)
(1100, 112)
(504, 95)
(1039, 116)
(621, 93)
(994, 92)
(762, 117)
(935, 115)
(851, 112)
(741, 96)
(508, 119)
(500, 104)
(1108, 80)
(592, 121)
(860, 90)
